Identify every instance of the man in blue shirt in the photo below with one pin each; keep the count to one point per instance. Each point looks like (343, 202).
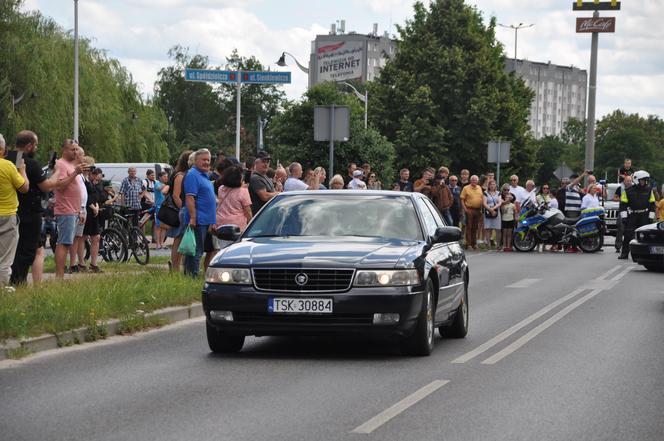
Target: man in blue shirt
(201, 205)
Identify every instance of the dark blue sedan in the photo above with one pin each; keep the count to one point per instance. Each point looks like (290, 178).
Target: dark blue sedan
(373, 263)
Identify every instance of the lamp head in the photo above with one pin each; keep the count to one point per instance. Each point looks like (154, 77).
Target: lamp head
(282, 60)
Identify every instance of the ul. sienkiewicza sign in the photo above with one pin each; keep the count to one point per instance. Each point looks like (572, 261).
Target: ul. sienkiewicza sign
(596, 24)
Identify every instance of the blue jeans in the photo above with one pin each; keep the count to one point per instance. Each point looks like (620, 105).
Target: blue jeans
(192, 263)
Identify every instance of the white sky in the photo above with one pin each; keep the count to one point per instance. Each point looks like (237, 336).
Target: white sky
(140, 32)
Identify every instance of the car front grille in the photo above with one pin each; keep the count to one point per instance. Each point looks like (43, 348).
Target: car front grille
(612, 214)
(326, 319)
(317, 280)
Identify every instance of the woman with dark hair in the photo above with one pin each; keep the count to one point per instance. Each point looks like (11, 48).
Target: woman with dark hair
(233, 207)
(176, 185)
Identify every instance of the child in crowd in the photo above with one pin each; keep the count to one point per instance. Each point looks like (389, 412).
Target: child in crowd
(507, 218)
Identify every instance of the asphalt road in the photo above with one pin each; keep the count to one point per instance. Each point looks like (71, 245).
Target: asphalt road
(561, 347)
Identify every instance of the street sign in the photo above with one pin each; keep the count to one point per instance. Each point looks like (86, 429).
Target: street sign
(499, 149)
(596, 24)
(266, 77)
(230, 76)
(596, 6)
(210, 76)
(562, 172)
(322, 120)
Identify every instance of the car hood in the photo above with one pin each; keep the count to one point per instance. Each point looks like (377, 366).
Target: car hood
(317, 252)
(651, 227)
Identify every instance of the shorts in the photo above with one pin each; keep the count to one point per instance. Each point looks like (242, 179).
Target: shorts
(507, 225)
(208, 243)
(80, 227)
(91, 225)
(66, 228)
(179, 231)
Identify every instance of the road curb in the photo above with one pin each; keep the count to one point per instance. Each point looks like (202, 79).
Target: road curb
(18, 348)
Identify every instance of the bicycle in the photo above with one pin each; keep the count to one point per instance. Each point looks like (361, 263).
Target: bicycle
(120, 228)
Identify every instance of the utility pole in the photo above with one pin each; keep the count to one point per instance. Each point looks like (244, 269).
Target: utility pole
(594, 25)
(75, 135)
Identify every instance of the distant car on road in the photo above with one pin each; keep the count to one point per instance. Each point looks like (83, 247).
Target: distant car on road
(647, 247)
(373, 263)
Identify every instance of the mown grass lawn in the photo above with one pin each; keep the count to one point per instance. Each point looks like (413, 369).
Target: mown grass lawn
(58, 306)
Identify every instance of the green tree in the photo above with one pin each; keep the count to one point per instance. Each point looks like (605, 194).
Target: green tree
(116, 124)
(445, 93)
(292, 135)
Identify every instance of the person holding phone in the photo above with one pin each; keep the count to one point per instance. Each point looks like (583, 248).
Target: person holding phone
(12, 179)
(29, 205)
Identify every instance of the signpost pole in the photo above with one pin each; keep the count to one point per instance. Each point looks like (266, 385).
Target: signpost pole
(498, 165)
(237, 115)
(366, 109)
(331, 166)
(592, 94)
(75, 137)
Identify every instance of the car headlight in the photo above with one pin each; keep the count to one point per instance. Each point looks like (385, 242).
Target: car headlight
(640, 237)
(228, 276)
(660, 226)
(387, 278)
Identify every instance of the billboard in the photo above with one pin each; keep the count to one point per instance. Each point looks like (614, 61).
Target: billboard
(596, 24)
(340, 61)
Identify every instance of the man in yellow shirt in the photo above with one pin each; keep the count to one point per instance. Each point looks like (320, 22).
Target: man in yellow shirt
(472, 197)
(11, 181)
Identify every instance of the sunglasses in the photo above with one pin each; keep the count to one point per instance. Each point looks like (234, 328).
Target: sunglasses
(545, 188)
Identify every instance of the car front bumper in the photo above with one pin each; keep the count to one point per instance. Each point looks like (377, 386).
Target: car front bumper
(353, 311)
(642, 253)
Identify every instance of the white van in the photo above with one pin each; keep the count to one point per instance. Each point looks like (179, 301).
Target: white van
(117, 171)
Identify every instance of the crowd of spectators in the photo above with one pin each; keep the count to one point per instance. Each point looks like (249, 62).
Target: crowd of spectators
(209, 192)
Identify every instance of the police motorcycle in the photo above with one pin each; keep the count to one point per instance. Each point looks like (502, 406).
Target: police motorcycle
(542, 224)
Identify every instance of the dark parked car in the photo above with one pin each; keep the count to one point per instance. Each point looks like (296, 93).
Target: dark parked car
(374, 263)
(647, 247)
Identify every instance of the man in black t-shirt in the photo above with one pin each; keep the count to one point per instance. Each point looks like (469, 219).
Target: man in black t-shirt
(261, 188)
(29, 206)
(625, 170)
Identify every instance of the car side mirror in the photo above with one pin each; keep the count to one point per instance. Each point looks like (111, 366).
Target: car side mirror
(228, 232)
(447, 234)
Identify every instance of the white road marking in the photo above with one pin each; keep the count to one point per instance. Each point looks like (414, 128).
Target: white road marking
(540, 328)
(606, 274)
(543, 326)
(525, 283)
(523, 323)
(623, 272)
(399, 407)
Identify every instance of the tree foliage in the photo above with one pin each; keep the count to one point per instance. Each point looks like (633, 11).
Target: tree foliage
(445, 93)
(116, 124)
(292, 135)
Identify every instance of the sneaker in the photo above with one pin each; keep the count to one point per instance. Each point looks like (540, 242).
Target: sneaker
(73, 269)
(506, 249)
(82, 268)
(95, 269)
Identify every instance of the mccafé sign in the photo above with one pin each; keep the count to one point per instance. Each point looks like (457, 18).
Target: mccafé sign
(596, 24)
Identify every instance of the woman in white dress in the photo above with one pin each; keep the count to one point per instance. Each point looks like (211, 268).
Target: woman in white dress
(491, 204)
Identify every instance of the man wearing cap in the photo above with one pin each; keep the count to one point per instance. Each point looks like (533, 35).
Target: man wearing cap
(357, 183)
(261, 188)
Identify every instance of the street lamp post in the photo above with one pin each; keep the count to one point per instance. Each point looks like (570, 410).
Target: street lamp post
(364, 98)
(282, 62)
(75, 136)
(516, 31)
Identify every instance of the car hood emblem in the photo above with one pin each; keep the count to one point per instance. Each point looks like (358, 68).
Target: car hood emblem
(301, 279)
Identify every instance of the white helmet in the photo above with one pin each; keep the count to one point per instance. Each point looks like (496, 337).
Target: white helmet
(641, 174)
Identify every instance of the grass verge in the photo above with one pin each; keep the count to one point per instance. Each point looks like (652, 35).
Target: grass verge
(90, 300)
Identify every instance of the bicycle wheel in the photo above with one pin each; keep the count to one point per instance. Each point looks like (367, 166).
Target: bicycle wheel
(140, 246)
(112, 246)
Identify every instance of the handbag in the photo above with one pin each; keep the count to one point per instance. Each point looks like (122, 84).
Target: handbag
(486, 212)
(188, 244)
(169, 213)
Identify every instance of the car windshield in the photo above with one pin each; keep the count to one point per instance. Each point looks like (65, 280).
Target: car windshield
(611, 191)
(334, 215)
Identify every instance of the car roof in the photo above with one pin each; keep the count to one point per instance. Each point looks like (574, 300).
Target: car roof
(354, 193)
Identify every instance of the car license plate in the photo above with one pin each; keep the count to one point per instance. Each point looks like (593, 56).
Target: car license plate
(290, 305)
(656, 250)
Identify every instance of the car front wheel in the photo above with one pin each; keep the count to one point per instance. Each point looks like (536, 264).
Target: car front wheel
(459, 327)
(221, 343)
(420, 343)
